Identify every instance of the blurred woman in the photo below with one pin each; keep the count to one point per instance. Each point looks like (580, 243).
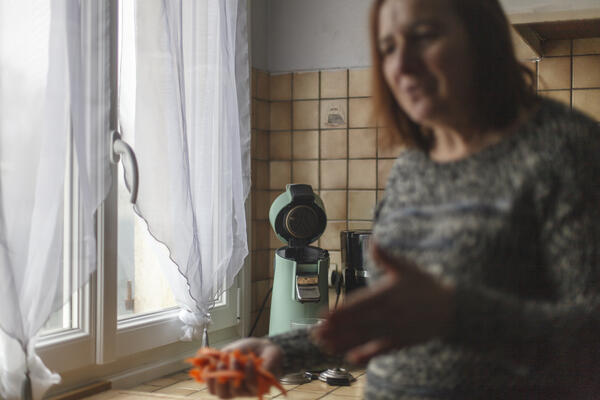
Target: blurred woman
(486, 267)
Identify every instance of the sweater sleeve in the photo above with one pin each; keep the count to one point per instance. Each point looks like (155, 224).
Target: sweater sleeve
(300, 353)
(559, 338)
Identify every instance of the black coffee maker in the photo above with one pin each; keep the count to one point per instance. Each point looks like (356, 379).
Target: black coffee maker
(354, 246)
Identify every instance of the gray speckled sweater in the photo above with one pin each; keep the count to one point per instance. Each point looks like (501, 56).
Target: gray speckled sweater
(516, 226)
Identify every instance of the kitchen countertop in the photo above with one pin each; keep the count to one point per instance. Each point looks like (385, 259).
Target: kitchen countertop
(181, 386)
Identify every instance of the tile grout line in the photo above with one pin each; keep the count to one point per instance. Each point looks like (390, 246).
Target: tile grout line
(572, 73)
(347, 149)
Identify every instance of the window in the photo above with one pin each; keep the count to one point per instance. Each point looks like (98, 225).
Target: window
(127, 309)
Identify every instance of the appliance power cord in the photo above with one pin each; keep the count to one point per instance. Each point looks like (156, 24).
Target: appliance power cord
(262, 307)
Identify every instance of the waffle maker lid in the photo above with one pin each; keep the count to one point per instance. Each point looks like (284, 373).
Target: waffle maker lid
(298, 215)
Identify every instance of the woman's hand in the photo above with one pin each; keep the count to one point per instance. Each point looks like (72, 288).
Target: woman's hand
(272, 356)
(406, 306)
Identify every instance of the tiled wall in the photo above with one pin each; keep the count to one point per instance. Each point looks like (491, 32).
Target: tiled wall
(570, 73)
(316, 128)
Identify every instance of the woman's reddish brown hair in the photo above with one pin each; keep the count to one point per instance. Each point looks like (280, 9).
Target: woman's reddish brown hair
(503, 86)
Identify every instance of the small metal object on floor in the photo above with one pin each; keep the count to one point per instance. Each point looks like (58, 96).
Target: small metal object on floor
(297, 378)
(337, 377)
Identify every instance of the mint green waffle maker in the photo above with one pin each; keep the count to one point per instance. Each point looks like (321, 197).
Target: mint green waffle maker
(300, 279)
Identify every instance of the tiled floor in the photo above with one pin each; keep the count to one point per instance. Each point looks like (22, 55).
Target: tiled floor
(180, 386)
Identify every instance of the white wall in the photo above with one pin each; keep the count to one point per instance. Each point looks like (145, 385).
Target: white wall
(258, 34)
(317, 34)
(300, 35)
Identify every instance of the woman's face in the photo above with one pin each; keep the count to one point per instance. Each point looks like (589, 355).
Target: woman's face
(425, 59)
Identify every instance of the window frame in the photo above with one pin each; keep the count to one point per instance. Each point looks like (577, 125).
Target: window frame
(103, 346)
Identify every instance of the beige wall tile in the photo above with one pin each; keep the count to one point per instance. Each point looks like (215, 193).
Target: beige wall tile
(362, 174)
(522, 50)
(557, 47)
(260, 265)
(262, 85)
(262, 174)
(306, 144)
(253, 141)
(334, 113)
(335, 203)
(362, 143)
(361, 204)
(333, 174)
(334, 83)
(262, 234)
(330, 240)
(254, 89)
(280, 174)
(281, 116)
(274, 241)
(564, 96)
(260, 290)
(586, 72)
(260, 204)
(383, 169)
(273, 194)
(262, 145)
(261, 114)
(359, 82)
(281, 87)
(554, 73)
(532, 66)
(354, 225)
(588, 101)
(360, 113)
(334, 144)
(280, 145)
(380, 194)
(306, 85)
(586, 46)
(306, 114)
(335, 260)
(384, 149)
(306, 172)
(253, 241)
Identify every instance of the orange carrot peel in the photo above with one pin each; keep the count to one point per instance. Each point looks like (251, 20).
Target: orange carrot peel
(207, 360)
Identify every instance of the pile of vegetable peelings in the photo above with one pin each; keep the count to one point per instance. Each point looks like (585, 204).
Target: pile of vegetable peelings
(207, 359)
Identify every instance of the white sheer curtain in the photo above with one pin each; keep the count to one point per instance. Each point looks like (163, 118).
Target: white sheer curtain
(188, 88)
(52, 85)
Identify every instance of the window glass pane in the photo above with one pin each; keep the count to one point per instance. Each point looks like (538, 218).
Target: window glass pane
(142, 287)
(66, 300)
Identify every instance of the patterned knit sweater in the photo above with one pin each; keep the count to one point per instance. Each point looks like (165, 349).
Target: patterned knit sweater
(516, 227)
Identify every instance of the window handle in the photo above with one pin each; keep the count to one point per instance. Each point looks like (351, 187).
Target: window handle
(120, 148)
